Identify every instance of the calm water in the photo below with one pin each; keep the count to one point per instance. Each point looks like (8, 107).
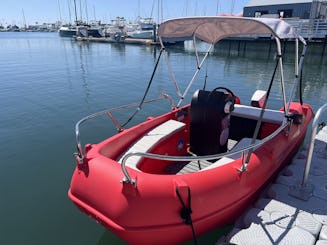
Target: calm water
(48, 83)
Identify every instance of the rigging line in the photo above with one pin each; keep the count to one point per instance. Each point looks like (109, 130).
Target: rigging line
(146, 91)
(256, 131)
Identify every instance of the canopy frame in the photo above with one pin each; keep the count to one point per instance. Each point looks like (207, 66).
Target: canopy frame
(213, 29)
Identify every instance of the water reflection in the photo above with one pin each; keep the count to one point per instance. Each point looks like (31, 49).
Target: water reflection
(83, 61)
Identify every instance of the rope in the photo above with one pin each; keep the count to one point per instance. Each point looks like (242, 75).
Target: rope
(205, 78)
(146, 91)
(301, 96)
(186, 212)
(256, 131)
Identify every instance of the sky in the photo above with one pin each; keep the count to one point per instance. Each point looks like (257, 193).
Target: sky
(19, 12)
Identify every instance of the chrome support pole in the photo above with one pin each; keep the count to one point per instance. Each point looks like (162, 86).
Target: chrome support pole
(279, 52)
(311, 144)
(296, 57)
(297, 78)
(194, 76)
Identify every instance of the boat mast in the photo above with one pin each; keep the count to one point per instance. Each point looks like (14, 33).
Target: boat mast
(161, 10)
(158, 10)
(186, 8)
(86, 12)
(217, 8)
(80, 9)
(69, 13)
(232, 7)
(94, 12)
(60, 18)
(76, 22)
(25, 19)
(139, 9)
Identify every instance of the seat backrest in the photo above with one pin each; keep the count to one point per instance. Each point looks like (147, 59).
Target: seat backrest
(209, 124)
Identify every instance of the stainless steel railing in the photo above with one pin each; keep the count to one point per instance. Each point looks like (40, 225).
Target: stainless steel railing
(130, 180)
(311, 144)
(79, 155)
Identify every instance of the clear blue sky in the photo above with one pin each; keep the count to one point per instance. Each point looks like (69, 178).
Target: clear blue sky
(12, 11)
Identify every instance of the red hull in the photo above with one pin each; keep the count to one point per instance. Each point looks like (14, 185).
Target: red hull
(150, 213)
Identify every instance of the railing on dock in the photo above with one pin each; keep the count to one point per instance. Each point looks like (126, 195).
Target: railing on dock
(310, 29)
(304, 190)
(314, 128)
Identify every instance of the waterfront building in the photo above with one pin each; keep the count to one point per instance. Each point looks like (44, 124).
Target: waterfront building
(309, 17)
(301, 9)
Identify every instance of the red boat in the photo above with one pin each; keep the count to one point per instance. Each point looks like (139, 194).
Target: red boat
(197, 167)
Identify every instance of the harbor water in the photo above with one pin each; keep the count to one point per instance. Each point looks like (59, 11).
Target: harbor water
(48, 83)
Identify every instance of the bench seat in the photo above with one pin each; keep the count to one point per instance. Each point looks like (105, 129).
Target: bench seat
(193, 166)
(250, 112)
(151, 139)
(224, 160)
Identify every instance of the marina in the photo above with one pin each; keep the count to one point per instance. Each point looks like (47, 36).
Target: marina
(51, 82)
(292, 210)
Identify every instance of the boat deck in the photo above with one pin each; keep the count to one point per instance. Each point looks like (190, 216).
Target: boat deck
(280, 218)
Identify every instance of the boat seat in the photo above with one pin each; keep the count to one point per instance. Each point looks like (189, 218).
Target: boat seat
(151, 139)
(193, 166)
(250, 112)
(240, 145)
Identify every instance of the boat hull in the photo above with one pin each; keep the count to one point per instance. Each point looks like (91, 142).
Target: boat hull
(150, 212)
(67, 32)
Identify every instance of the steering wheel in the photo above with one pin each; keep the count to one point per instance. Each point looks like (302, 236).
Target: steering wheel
(226, 89)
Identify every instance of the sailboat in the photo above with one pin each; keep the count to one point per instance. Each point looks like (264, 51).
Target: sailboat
(80, 28)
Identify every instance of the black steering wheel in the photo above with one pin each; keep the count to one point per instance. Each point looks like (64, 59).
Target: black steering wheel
(226, 89)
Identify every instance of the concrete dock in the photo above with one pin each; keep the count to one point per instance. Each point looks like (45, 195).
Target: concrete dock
(278, 217)
(112, 40)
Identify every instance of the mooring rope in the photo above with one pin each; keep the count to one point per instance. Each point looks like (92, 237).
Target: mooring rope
(186, 212)
(256, 131)
(146, 91)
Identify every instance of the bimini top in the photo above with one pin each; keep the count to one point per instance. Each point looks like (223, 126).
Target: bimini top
(213, 29)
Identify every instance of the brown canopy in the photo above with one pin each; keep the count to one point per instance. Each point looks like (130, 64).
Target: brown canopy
(213, 29)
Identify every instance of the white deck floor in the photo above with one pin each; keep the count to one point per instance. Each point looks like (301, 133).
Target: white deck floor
(277, 217)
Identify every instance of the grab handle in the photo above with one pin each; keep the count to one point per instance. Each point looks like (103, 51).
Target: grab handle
(314, 128)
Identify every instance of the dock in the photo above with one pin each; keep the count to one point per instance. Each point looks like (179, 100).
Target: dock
(112, 40)
(281, 215)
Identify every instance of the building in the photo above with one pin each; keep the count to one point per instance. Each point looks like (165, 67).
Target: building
(301, 9)
(308, 17)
